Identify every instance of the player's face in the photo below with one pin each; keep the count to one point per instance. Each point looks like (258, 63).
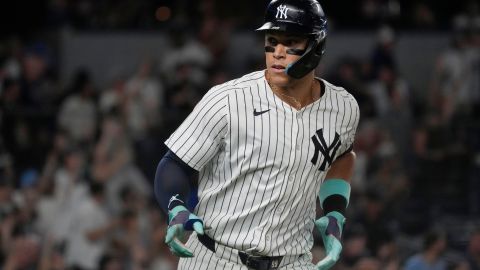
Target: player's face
(281, 50)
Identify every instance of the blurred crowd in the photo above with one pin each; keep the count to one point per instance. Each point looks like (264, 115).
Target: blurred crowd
(139, 15)
(77, 159)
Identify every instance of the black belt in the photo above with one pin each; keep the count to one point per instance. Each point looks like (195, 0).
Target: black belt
(251, 261)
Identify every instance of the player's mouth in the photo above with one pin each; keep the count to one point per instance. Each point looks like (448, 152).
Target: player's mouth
(278, 68)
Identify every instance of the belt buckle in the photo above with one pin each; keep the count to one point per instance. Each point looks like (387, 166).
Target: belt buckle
(274, 264)
(261, 262)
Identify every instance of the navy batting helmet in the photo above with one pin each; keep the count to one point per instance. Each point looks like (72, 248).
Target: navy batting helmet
(299, 17)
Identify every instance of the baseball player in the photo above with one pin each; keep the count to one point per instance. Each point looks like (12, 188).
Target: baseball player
(261, 149)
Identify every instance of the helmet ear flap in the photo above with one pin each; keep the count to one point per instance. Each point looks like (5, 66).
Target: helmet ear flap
(321, 37)
(310, 59)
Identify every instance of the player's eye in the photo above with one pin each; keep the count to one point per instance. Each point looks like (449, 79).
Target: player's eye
(271, 41)
(292, 42)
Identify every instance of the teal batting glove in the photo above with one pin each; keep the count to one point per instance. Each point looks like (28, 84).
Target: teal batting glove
(179, 221)
(330, 227)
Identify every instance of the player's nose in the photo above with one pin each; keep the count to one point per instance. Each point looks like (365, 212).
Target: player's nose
(280, 51)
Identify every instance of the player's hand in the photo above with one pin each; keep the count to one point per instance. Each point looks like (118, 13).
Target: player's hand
(179, 221)
(330, 227)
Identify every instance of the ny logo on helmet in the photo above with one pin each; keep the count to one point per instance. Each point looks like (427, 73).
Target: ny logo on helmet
(281, 12)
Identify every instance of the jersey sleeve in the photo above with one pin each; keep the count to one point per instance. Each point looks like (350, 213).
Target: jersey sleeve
(349, 129)
(199, 137)
(352, 129)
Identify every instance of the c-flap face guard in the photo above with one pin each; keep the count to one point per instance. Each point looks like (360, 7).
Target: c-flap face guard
(310, 58)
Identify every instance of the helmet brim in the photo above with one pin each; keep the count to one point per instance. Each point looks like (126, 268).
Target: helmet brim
(286, 27)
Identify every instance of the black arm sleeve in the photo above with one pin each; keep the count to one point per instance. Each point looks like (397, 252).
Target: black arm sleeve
(335, 203)
(173, 176)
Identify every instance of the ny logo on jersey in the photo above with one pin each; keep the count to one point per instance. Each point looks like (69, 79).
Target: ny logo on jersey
(281, 12)
(328, 151)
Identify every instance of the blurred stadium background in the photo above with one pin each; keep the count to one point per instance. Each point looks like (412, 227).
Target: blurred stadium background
(90, 89)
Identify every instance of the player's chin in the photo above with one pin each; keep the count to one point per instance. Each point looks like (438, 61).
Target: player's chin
(278, 76)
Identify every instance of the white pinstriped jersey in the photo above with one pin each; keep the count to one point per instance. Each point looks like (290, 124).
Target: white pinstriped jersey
(261, 161)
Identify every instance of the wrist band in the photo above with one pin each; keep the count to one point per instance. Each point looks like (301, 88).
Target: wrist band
(334, 187)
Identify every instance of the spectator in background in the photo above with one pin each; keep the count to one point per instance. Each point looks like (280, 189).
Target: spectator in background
(348, 75)
(48, 208)
(383, 53)
(78, 113)
(23, 254)
(455, 85)
(392, 101)
(26, 97)
(114, 98)
(190, 59)
(369, 141)
(473, 252)
(109, 262)
(10, 116)
(52, 257)
(389, 92)
(113, 163)
(128, 240)
(145, 101)
(431, 257)
(145, 113)
(214, 34)
(423, 17)
(380, 11)
(368, 263)
(7, 217)
(11, 66)
(442, 164)
(355, 246)
(90, 231)
(69, 190)
(374, 218)
(469, 97)
(19, 244)
(39, 92)
(21, 135)
(53, 160)
(184, 50)
(136, 202)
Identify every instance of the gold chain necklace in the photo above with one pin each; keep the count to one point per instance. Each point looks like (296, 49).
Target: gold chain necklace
(297, 103)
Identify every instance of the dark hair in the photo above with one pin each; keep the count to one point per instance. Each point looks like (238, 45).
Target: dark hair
(7, 82)
(80, 80)
(433, 237)
(96, 188)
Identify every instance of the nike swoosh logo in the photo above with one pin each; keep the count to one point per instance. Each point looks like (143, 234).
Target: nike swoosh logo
(255, 113)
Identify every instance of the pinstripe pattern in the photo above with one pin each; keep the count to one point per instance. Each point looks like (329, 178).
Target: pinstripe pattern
(258, 184)
(206, 260)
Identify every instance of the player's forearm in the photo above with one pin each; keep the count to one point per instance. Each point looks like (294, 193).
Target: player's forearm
(335, 190)
(172, 178)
